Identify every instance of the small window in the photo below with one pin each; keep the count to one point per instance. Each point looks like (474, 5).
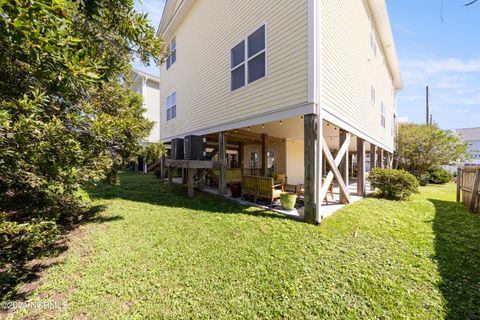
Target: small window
(253, 160)
(394, 125)
(248, 60)
(383, 115)
(373, 38)
(373, 94)
(271, 160)
(172, 106)
(173, 53)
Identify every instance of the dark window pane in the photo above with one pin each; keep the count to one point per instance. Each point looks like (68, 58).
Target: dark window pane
(169, 114)
(174, 112)
(238, 78)
(256, 42)
(256, 68)
(168, 63)
(238, 54)
(174, 56)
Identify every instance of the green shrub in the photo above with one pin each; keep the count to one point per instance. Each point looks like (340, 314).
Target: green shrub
(423, 179)
(20, 242)
(393, 184)
(439, 176)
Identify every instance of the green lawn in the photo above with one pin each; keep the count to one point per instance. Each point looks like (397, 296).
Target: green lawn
(154, 254)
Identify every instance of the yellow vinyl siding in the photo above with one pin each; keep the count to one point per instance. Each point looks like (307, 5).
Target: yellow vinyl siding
(349, 69)
(201, 74)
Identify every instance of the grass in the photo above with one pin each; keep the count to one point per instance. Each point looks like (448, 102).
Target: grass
(156, 254)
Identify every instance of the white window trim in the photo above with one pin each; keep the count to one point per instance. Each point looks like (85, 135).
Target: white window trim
(171, 51)
(247, 59)
(171, 106)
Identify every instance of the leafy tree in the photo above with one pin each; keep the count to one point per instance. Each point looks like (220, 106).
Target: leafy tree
(423, 147)
(66, 113)
(154, 151)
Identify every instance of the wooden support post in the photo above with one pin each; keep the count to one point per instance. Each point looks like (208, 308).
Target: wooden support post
(373, 159)
(361, 190)
(240, 155)
(381, 163)
(190, 173)
(474, 197)
(351, 165)
(184, 176)
(344, 166)
(310, 165)
(459, 184)
(373, 156)
(222, 152)
(264, 155)
(390, 160)
(170, 178)
(162, 168)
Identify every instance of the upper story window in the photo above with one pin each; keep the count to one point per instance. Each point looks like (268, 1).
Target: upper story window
(248, 60)
(373, 38)
(373, 94)
(394, 125)
(383, 115)
(172, 106)
(173, 53)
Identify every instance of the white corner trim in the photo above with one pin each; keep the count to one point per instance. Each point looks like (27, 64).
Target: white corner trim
(312, 51)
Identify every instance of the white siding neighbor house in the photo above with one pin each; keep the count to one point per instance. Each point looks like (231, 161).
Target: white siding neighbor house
(301, 87)
(149, 87)
(472, 137)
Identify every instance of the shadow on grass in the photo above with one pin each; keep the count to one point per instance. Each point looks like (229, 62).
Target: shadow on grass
(19, 280)
(148, 189)
(457, 246)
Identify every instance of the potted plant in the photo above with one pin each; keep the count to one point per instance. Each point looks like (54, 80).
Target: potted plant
(288, 200)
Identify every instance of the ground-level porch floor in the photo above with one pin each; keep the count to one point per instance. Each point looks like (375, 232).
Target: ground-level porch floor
(305, 152)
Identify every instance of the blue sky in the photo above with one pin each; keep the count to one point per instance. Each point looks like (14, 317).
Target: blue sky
(445, 55)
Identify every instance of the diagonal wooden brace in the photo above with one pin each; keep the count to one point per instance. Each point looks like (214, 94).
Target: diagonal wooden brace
(334, 163)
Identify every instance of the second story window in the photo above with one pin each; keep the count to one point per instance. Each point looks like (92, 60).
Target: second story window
(172, 106)
(373, 94)
(373, 38)
(173, 53)
(248, 60)
(383, 115)
(394, 125)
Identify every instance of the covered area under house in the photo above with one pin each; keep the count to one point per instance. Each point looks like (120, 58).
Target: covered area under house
(283, 155)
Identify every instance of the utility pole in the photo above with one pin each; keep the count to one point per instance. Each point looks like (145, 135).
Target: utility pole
(428, 106)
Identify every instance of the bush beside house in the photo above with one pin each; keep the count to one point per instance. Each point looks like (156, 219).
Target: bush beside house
(439, 176)
(393, 184)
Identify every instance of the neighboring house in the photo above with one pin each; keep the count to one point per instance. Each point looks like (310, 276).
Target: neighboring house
(472, 137)
(282, 80)
(149, 87)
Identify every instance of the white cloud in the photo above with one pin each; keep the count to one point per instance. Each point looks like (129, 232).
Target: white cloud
(435, 66)
(447, 73)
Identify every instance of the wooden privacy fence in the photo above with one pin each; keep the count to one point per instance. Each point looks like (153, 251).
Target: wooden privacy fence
(468, 187)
